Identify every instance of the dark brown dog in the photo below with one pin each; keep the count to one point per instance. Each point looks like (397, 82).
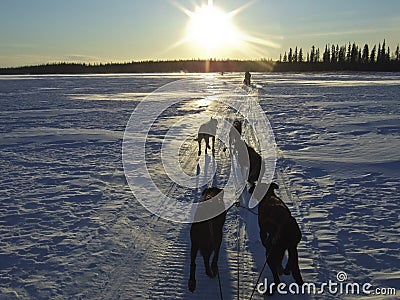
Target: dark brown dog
(279, 231)
(249, 160)
(235, 135)
(247, 77)
(207, 131)
(206, 236)
(256, 169)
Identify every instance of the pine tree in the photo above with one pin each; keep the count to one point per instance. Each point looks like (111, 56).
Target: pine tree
(365, 54)
(285, 57)
(379, 55)
(333, 55)
(353, 54)
(301, 55)
(326, 57)
(383, 51)
(337, 52)
(397, 53)
(312, 54)
(372, 55)
(342, 54)
(290, 55)
(348, 54)
(295, 55)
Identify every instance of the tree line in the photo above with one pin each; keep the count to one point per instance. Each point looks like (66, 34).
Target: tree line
(150, 66)
(350, 54)
(349, 57)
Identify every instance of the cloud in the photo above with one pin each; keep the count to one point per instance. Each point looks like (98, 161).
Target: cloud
(81, 58)
(18, 47)
(349, 32)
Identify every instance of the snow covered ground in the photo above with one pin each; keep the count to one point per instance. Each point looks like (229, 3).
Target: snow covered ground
(70, 227)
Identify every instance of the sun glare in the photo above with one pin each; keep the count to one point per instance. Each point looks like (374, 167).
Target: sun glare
(211, 28)
(213, 31)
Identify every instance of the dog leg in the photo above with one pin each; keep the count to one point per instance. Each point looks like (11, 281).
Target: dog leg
(273, 262)
(281, 271)
(199, 141)
(192, 278)
(207, 143)
(279, 263)
(214, 264)
(287, 269)
(294, 265)
(207, 264)
(264, 236)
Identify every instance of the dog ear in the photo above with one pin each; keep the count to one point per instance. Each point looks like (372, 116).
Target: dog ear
(219, 194)
(216, 191)
(274, 186)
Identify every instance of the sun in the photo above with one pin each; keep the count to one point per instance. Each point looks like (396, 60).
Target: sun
(213, 31)
(212, 28)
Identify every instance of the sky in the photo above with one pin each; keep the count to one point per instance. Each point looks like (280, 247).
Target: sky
(41, 31)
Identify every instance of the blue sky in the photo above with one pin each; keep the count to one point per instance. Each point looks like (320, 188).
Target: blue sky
(40, 31)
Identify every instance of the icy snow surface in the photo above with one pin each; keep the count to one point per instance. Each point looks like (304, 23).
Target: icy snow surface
(70, 227)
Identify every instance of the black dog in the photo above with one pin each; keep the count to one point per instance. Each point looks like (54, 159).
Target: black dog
(279, 231)
(207, 131)
(206, 236)
(256, 169)
(248, 158)
(235, 135)
(247, 77)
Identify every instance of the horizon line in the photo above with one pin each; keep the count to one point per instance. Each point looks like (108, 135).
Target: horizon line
(141, 61)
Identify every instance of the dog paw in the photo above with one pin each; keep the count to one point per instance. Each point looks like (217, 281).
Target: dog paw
(214, 269)
(286, 271)
(192, 285)
(209, 273)
(280, 270)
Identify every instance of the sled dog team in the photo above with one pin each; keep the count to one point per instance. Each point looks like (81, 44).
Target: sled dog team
(279, 231)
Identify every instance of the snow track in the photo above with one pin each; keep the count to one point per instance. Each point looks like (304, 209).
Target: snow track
(161, 270)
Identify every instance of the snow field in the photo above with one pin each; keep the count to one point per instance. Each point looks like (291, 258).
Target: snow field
(70, 227)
